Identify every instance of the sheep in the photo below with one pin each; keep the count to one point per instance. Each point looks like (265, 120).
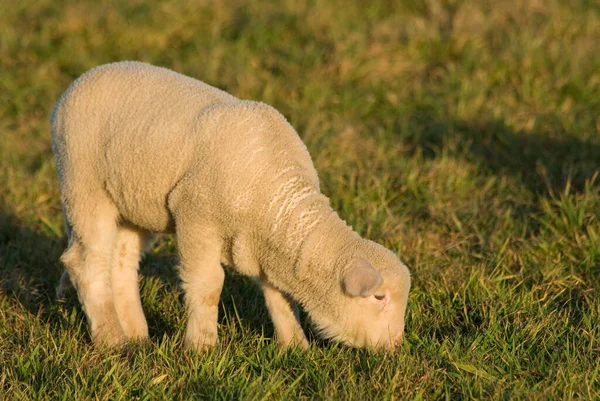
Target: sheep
(141, 149)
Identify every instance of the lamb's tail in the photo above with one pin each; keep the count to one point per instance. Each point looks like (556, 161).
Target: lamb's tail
(64, 286)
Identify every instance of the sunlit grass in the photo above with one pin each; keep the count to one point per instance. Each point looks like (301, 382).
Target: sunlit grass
(465, 135)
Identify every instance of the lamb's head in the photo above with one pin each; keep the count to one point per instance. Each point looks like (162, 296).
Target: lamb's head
(371, 299)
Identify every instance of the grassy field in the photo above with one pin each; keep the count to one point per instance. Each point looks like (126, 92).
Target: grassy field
(465, 135)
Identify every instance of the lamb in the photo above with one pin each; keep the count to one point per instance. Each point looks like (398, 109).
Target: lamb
(141, 149)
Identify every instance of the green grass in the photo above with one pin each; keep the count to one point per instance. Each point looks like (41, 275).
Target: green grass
(465, 135)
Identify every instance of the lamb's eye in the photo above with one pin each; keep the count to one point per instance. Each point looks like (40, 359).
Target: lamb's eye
(379, 297)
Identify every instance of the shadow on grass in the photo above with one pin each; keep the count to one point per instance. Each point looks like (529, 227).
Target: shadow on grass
(30, 263)
(30, 270)
(543, 162)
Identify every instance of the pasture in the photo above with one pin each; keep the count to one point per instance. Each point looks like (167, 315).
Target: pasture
(462, 134)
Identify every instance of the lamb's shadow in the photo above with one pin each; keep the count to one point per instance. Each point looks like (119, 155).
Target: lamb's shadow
(30, 268)
(542, 162)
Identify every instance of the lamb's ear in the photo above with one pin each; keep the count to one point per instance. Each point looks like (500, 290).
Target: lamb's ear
(361, 279)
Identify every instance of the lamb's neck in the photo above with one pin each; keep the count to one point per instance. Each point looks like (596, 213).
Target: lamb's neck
(323, 256)
(312, 246)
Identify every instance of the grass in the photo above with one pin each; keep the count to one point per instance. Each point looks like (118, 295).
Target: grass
(465, 135)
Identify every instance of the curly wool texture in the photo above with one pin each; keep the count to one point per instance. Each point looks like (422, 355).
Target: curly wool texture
(172, 154)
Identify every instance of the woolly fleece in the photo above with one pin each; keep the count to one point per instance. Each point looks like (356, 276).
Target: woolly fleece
(141, 149)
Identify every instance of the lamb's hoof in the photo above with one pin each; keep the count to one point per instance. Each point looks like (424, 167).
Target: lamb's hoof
(200, 344)
(112, 342)
(109, 338)
(295, 343)
(136, 332)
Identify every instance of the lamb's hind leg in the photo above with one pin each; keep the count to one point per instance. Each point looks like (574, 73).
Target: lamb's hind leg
(88, 262)
(124, 277)
(284, 314)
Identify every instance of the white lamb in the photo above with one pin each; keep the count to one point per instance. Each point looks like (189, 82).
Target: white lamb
(142, 149)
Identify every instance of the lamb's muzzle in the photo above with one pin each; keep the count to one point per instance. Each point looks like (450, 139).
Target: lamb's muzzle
(141, 149)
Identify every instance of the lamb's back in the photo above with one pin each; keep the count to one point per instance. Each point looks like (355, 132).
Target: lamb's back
(140, 131)
(133, 101)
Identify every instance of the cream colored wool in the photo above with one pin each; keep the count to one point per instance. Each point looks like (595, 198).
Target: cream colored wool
(141, 149)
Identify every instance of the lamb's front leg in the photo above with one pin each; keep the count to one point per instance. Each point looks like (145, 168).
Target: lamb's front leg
(202, 277)
(284, 314)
